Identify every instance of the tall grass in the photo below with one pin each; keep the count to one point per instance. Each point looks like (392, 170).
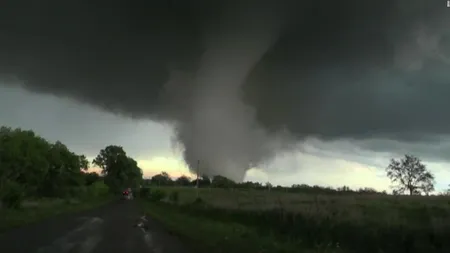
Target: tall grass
(33, 210)
(359, 223)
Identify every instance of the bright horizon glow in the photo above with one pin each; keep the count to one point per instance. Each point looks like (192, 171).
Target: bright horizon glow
(348, 173)
(343, 173)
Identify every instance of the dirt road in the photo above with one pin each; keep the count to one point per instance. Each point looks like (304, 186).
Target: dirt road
(118, 227)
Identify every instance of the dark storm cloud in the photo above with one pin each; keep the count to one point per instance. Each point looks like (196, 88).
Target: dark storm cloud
(84, 129)
(330, 69)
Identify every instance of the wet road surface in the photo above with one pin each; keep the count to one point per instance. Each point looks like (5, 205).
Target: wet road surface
(118, 227)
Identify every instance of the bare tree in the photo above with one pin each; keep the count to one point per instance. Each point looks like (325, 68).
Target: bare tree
(410, 174)
(428, 187)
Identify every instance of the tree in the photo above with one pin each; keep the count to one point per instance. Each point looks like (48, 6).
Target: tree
(162, 179)
(30, 166)
(428, 188)
(119, 170)
(203, 181)
(134, 173)
(344, 189)
(83, 162)
(108, 157)
(446, 192)
(64, 171)
(222, 182)
(183, 181)
(22, 159)
(91, 178)
(410, 174)
(367, 190)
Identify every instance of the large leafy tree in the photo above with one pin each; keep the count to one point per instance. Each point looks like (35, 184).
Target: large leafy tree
(91, 178)
(118, 169)
(203, 181)
(23, 159)
(30, 166)
(64, 172)
(162, 179)
(183, 181)
(410, 174)
(222, 182)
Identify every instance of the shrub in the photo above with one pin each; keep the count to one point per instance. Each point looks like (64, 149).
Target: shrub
(144, 192)
(12, 195)
(174, 197)
(157, 195)
(198, 200)
(97, 189)
(77, 192)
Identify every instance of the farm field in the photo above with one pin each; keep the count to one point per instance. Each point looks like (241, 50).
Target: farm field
(272, 221)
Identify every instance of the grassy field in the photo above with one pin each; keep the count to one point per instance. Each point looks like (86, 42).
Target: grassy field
(261, 221)
(37, 210)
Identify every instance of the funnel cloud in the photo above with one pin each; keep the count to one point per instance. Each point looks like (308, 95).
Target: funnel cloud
(241, 80)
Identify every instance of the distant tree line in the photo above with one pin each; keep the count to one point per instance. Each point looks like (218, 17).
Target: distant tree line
(408, 175)
(32, 167)
(163, 179)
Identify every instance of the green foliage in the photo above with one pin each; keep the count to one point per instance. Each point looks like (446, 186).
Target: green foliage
(37, 167)
(162, 179)
(350, 226)
(183, 181)
(222, 182)
(203, 181)
(174, 197)
(64, 172)
(119, 170)
(45, 208)
(11, 195)
(23, 158)
(215, 236)
(98, 189)
(410, 174)
(157, 195)
(144, 192)
(91, 178)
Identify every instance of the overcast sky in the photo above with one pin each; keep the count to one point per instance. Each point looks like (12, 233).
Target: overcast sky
(86, 130)
(308, 92)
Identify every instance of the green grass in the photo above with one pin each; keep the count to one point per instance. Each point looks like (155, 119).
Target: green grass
(287, 222)
(203, 234)
(45, 208)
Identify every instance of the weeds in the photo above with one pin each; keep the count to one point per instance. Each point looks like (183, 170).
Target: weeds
(157, 195)
(330, 224)
(174, 197)
(12, 196)
(144, 192)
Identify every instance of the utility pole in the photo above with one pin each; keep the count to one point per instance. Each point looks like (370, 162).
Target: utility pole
(198, 172)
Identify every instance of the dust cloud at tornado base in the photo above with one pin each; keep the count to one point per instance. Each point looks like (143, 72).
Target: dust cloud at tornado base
(242, 80)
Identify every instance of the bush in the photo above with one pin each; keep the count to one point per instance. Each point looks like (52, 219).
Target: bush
(144, 192)
(157, 195)
(98, 189)
(101, 188)
(328, 231)
(174, 197)
(12, 195)
(76, 192)
(198, 200)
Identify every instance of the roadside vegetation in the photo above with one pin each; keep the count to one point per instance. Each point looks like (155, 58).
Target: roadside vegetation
(224, 216)
(39, 179)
